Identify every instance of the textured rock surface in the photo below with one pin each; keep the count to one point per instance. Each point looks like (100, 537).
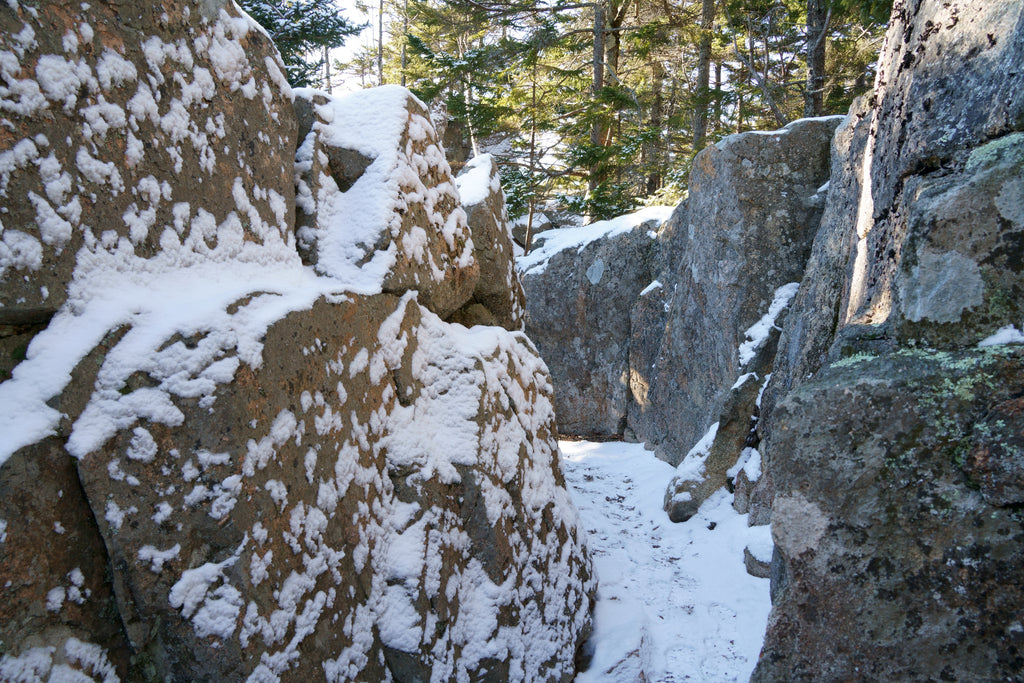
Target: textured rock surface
(395, 191)
(896, 468)
(703, 472)
(814, 317)
(106, 106)
(747, 230)
(578, 314)
(57, 593)
(216, 462)
(949, 92)
(498, 289)
(648, 326)
(896, 563)
(349, 510)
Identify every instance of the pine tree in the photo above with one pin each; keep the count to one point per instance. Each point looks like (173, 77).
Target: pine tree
(605, 102)
(302, 30)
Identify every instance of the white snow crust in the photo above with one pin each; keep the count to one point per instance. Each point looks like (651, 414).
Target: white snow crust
(691, 468)
(757, 333)
(475, 182)
(674, 601)
(1004, 335)
(551, 242)
(359, 232)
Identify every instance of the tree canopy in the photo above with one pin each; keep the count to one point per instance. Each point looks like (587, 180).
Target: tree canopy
(604, 103)
(302, 30)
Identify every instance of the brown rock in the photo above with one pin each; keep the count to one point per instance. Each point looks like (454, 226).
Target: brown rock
(277, 474)
(108, 103)
(756, 567)
(688, 491)
(996, 459)
(250, 531)
(380, 202)
(55, 571)
(499, 289)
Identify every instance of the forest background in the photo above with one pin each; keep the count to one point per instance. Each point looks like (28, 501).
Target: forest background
(594, 108)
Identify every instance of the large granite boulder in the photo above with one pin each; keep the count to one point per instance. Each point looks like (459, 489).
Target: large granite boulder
(814, 317)
(218, 463)
(939, 226)
(387, 179)
(498, 298)
(104, 106)
(897, 521)
(746, 231)
(892, 424)
(581, 284)
(379, 495)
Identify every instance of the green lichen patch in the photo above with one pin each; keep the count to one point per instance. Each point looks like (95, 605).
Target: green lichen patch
(996, 151)
(855, 359)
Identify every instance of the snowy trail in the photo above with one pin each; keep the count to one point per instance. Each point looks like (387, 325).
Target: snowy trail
(674, 600)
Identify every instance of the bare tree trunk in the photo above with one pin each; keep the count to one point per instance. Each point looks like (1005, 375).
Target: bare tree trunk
(703, 99)
(404, 32)
(759, 79)
(718, 97)
(327, 70)
(467, 98)
(739, 112)
(528, 240)
(817, 31)
(613, 42)
(652, 150)
(380, 44)
(598, 66)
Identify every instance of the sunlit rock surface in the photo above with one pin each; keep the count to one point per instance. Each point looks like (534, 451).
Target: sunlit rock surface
(892, 427)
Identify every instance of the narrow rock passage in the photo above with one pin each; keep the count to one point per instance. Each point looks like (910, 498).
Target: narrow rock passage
(674, 601)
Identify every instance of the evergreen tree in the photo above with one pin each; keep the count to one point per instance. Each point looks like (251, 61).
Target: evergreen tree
(302, 30)
(605, 102)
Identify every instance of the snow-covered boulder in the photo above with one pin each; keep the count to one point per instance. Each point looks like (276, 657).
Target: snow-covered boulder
(381, 495)
(498, 291)
(378, 199)
(133, 146)
(102, 126)
(218, 462)
(580, 286)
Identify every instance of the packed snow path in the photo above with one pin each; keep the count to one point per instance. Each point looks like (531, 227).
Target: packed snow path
(674, 600)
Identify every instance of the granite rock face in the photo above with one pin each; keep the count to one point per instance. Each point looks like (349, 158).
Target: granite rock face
(499, 290)
(651, 354)
(944, 136)
(897, 521)
(228, 452)
(344, 504)
(578, 313)
(892, 424)
(747, 230)
(105, 107)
